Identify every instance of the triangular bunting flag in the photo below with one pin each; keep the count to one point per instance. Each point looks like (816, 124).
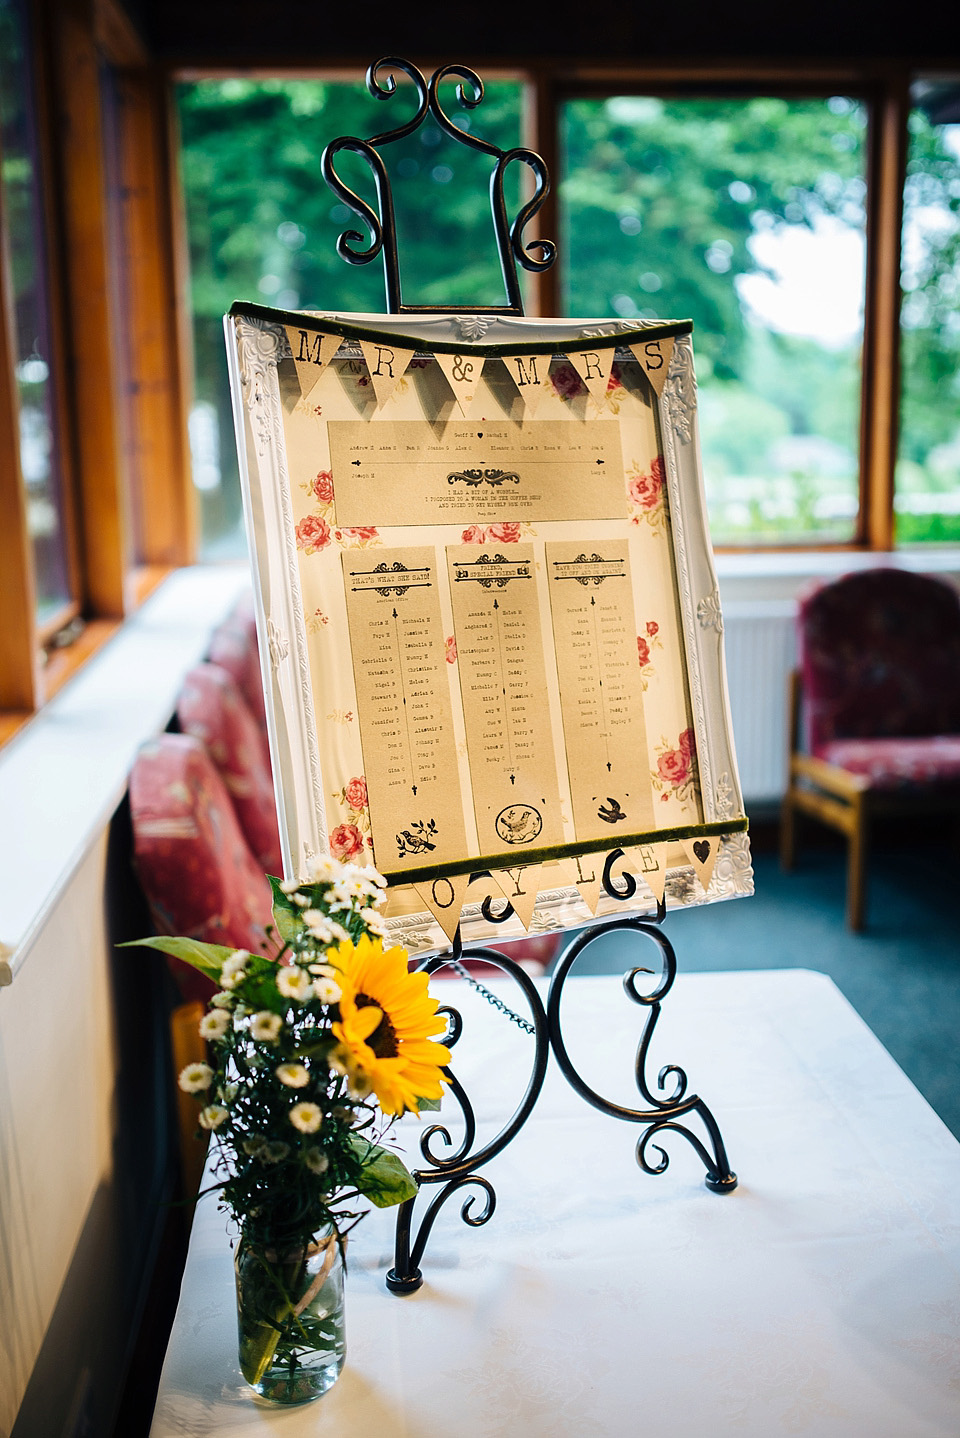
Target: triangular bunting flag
(593, 366)
(653, 357)
(387, 364)
(647, 863)
(444, 899)
(529, 374)
(521, 886)
(463, 373)
(586, 871)
(312, 352)
(702, 853)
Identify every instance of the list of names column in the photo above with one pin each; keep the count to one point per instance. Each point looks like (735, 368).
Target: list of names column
(503, 689)
(403, 701)
(601, 694)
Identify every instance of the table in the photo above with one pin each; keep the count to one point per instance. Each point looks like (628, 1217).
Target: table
(821, 1298)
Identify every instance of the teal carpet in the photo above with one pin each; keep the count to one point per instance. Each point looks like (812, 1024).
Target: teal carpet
(902, 974)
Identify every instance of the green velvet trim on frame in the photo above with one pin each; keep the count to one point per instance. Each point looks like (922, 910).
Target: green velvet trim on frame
(426, 873)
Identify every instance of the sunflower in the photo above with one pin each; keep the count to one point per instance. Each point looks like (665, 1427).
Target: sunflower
(387, 1018)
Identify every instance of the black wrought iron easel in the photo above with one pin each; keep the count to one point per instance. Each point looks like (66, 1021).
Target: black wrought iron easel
(666, 1105)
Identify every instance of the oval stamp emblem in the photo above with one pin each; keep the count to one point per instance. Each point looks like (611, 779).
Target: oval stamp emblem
(519, 824)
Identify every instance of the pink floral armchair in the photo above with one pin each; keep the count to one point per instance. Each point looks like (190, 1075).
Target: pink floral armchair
(212, 709)
(195, 865)
(878, 694)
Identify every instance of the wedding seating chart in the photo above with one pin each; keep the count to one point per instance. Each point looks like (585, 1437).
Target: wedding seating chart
(489, 618)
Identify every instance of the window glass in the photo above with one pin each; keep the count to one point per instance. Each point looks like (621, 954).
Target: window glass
(747, 216)
(262, 225)
(928, 472)
(22, 209)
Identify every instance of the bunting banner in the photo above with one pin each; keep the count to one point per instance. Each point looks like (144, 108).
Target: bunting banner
(530, 375)
(462, 373)
(702, 854)
(521, 886)
(593, 367)
(648, 865)
(387, 365)
(312, 353)
(444, 898)
(586, 872)
(653, 357)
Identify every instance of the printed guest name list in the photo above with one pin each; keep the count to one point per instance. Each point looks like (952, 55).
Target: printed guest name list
(403, 699)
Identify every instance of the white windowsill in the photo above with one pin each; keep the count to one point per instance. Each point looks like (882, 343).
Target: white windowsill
(63, 775)
(757, 576)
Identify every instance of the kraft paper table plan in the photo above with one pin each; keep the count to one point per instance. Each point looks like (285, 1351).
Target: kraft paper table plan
(822, 1298)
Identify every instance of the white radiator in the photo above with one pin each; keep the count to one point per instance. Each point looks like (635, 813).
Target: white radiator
(760, 645)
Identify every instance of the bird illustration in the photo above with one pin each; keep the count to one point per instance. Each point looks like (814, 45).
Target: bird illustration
(613, 813)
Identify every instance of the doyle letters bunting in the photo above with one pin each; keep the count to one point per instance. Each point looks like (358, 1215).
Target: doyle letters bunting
(492, 637)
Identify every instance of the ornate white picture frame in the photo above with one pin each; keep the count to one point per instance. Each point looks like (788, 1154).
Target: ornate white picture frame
(354, 435)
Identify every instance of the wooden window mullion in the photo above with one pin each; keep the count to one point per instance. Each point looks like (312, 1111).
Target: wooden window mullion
(20, 685)
(879, 428)
(92, 364)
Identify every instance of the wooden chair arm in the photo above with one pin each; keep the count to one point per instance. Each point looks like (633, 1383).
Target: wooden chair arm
(827, 776)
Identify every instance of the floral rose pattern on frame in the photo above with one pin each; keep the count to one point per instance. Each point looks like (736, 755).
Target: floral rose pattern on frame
(323, 487)
(646, 643)
(313, 534)
(647, 495)
(676, 771)
(345, 841)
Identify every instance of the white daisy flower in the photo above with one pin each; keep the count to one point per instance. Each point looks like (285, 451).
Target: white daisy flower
(195, 1078)
(359, 1084)
(274, 1152)
(319, 925)
(293, 1075)
(323, 971)
(289, 886)
(254, 1145)
(215, 1025)
(293, 982)
(306, 1117)
(213, 1115)
(316, 1160)
(265, 1027)
(338, 1060)
(327, 990)
(324, 869)
(234, 969)
(223, 1000)
(376, 923)
(340, 896)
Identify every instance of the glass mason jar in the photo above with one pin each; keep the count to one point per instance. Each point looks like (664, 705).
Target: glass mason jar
(290, 1318)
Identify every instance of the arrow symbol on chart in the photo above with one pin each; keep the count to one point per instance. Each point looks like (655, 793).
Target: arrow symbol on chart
(603, 707)
(406, 716)
(357, 462)
(503, 690)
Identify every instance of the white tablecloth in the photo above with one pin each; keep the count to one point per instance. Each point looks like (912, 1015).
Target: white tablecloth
(821, 1298)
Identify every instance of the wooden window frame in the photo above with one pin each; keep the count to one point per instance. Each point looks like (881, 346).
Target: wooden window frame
(93, 393)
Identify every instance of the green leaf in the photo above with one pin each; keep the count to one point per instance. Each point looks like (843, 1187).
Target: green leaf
(429, 1105)
(208, 958)
(384, 1179)
(285, 912)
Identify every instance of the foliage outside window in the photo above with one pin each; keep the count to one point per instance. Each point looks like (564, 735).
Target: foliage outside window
(928, 472)
(21, 204)
(262, 225)
(748, 217)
